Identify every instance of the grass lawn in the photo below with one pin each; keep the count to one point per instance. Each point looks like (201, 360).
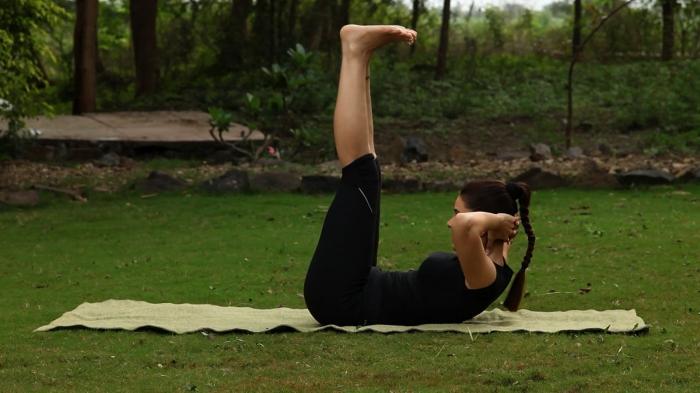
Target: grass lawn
(633, 249)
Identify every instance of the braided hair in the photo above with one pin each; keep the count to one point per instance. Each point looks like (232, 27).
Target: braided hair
(520, 192)
(510, 198)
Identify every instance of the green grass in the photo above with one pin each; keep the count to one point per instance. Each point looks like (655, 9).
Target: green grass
(637, 249)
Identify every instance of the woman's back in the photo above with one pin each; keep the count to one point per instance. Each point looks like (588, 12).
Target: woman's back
(435, 293)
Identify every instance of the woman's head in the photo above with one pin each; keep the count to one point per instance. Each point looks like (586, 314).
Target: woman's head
(499, 197)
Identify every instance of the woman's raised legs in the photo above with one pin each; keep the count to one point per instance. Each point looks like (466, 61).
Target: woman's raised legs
(353, 127)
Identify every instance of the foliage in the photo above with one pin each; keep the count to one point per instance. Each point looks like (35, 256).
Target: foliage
(23, 47)
(503, 63)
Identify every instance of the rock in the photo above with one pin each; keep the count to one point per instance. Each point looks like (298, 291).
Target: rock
(458, 154)
(414, 150)
(265, 161)
(402, 185)
(644, 177)
(574, 152)
(509, 155)
(160, 182)
(442, 186)
(232, 181)
(538, 179)
(330, 167)
(84, 153)
(274, 181)
(594, 176)
(584, 126)
(108, 160)
(605, 149)
(23, 198)
(38, 152)
(689, 175)
(126, 162)
(540, 152)
(222, 157)
(315, 184)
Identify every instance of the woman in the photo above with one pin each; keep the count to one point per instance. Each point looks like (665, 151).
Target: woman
(343, 285)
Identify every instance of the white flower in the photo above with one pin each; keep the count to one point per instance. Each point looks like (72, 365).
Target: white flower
(5, 105)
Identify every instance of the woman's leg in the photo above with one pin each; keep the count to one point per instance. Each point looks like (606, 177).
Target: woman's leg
(352, 120)
(347, 247)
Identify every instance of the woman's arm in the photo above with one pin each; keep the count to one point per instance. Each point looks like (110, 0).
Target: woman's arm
(467, 231)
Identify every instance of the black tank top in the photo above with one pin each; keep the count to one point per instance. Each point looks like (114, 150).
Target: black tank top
(435, 293)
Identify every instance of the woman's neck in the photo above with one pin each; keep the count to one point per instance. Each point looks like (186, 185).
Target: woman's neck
(498, 252)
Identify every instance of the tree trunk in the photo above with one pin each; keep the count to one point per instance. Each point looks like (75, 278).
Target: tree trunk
(235, 37)
(668, 8)
(568, 131)
(576, 40)
(415, 14)
(263, 30)
(85, 56)
(143, 35)
(344, 14)
(292, 22)
(274, 28)
(444, 38)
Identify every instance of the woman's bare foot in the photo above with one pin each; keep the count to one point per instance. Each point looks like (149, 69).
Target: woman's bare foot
(363, 40)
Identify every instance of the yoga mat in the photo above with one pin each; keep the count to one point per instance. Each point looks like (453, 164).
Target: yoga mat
(188, 318)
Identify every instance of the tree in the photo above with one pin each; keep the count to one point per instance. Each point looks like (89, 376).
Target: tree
(85, 56)
(23, 43)
(418, 6)
(143, 36)
(444, 41)
(575, 55)
(668, 10)
(235, 34)
(576, 40)
(292, 22)
(344, 14)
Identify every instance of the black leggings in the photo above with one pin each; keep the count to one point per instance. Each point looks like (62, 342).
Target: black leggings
(335, 288)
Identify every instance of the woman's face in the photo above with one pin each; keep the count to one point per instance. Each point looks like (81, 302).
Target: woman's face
(458, 207)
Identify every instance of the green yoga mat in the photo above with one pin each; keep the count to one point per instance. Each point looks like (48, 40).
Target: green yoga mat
(188, 318)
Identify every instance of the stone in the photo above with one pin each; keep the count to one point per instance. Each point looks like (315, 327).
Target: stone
(402, 185)
(274, 181)
(22, 198)
(540, 152)
(330, 167)
(510, 155)
(222, 157)
(414, 150)
(83, 153)
(126, 162)
(574, 152)
(605, 149)
(442, 186)
(232, 181)
(644, 177)
(109, 160)
(160, 182)
(594, 176)
(538, 179)
(689, 175)
(584, 126)
(265, 161)
(38, 152)
(316, 184)
(458, 154)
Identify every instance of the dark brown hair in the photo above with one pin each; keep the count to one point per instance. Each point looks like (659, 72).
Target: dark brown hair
(499, 197)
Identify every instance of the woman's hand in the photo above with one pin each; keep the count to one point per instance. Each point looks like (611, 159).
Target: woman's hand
(494, 226)
(504, 227)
